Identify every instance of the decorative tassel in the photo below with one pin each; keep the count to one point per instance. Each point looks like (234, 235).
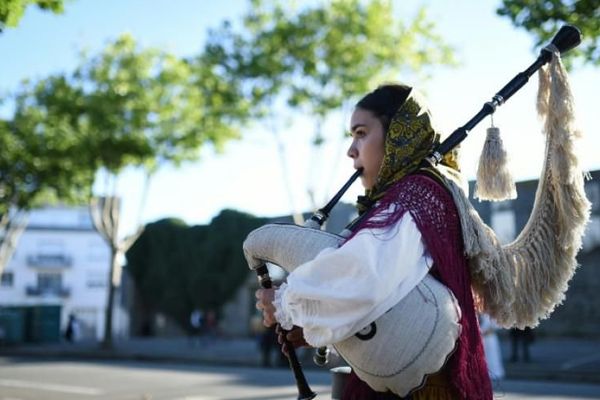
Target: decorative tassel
(494, 180)
(521, 283)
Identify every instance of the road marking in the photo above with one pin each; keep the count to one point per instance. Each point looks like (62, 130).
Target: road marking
(53, 387)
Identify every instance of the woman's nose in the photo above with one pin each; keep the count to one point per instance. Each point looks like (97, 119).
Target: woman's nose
(352, 151)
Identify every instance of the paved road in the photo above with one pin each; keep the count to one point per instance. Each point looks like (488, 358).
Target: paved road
(553, 359)
(30, 378)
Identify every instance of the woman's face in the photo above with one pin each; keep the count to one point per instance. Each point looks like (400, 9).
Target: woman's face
(367, 146)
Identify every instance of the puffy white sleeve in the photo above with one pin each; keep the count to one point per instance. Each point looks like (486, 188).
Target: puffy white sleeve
(344, 289)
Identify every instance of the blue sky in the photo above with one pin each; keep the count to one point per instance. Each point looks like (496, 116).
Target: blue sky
(247, 176)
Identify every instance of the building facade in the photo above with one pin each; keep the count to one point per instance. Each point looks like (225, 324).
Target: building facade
(61, 260)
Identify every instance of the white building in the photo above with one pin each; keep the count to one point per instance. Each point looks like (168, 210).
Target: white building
(61, 259)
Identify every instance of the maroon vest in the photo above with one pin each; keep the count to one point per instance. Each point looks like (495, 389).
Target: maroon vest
(431, 206)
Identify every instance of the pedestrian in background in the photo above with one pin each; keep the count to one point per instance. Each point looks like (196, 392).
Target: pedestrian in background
(521, 338)
(491, 346)
(196, 319)
(73, 331)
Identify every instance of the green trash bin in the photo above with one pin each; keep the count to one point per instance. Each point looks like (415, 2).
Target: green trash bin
(12, 325)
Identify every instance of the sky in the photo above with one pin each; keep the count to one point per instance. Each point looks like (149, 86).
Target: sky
(249, 175)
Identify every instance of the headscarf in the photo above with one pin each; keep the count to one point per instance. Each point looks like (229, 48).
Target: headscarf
(410, 138)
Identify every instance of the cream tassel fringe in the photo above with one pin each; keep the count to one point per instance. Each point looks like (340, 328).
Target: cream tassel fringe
(522, 282)
(494, 180)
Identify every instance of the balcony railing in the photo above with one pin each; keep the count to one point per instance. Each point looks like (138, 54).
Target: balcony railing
(36, 291)
(50, 261)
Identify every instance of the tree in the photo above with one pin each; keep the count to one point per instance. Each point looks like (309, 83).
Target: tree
(178, 268)
(164, 109)
(11, 11)
(153, 263)
(124, 107)
(544, 18)
(41, 155)
(316, 60)
(143, 107)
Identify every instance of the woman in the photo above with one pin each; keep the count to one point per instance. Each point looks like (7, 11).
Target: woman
(407, 227)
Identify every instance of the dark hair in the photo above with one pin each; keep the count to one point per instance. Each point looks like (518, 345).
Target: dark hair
(384, 101)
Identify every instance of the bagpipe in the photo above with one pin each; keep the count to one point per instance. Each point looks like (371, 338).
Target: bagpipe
(399, 349)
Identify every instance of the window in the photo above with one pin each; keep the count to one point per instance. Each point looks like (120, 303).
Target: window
(96, 279)
(6, 279)
(49, 282)
(51, 246)
(50, 254)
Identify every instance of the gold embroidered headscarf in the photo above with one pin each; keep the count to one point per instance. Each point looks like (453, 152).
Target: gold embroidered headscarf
(409, 139)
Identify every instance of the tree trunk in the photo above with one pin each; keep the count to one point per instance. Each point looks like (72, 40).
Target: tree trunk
(12, 226)
(105, 213)
(107, 342)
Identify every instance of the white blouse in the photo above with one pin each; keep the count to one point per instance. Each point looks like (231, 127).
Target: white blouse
(344, 289)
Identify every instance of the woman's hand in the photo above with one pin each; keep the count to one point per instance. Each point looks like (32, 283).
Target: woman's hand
(265, 304)
(294, 337)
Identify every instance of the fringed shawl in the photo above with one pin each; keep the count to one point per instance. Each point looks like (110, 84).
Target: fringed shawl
(520, 283)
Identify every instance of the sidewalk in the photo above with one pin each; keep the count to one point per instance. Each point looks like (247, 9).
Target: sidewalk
(557, 359)
(560, 359)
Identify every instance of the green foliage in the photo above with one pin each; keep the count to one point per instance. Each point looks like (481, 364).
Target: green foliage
(11, 11)
(178, 268)
(220, 99)
(125, 106)
(41, 158)
(544, 18)
(145, 106)
(132, 106)
(321, 56)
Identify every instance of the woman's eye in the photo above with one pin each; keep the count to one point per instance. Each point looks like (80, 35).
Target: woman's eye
(359, 133)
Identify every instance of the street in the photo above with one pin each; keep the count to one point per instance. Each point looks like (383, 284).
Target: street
(35, 379)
